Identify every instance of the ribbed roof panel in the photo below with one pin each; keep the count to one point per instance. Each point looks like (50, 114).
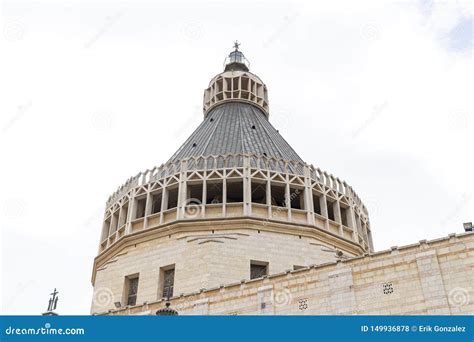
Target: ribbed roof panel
(228, 128)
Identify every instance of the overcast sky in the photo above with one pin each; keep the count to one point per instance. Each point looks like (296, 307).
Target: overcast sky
(376, 93)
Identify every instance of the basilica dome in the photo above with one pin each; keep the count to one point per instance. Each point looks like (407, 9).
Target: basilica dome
(234, 202)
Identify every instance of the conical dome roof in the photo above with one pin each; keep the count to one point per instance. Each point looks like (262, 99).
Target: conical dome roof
(236, 128)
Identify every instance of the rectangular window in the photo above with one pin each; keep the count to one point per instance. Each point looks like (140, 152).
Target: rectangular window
(228, 83)
(344, 213)
(258, 269)
(317, 203)
(219, 86)
(235, 191)
(156, 202)
(123, 215)
(172, 198)
(106, 229)
(140, 210)
(245, 83)
(359, 225)
(330, 206)
(278, 195)
(131, 288)
(214, 192)
(167, 274)
(114, 223)
(259, 192)
(297, 198)
(194, 193)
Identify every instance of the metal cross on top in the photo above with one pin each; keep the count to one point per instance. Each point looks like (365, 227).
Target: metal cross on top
(53, 301)
(236, 45)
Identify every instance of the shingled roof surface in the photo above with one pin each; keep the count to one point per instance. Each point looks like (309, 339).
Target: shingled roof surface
(236, 127)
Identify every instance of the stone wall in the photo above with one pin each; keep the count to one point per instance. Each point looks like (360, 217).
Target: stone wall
(429, 277)
(207, 255)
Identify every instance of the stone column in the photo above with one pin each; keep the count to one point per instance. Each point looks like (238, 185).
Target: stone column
(182, 191)
(247, 187)
(288, 199)
(164, 202)
(202, 212)
(147, 209)
(308, 196)
(369, 234)
(224, 195)
(324, 210)
(337, 215)
(131, 212)
(353, 223)
(269, 199)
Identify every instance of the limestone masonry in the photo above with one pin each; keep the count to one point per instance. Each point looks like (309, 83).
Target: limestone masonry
(236, 223)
